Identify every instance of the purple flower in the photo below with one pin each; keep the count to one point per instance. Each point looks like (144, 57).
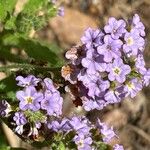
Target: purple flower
(133, 87)
(82, 142)
(115, 95)
(111, 97)
(146, 78)
(38, 125)
(118, 71)
(60, 125)
(133, 43)
(61, 11)
(100, 71)
(110, 49)
(115, 27)
(140, 64)
(93, 62)
(90, 104)
(5, 108)
(86, 78)
(20, 118)
(137, 24)
(92, 37)
(118, 147)
(107, 132)
(80, 125)
(94, 103)
(95, 88)
(49, 86)
(30, 80)
(29, 99)
(52, 103)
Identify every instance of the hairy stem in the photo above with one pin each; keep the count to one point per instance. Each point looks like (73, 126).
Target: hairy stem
(16, 67)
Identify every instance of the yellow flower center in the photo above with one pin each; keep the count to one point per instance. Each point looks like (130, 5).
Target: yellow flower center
(116, 70)
(130, 85)
(130, 41)
(81, 144)
(29, 100)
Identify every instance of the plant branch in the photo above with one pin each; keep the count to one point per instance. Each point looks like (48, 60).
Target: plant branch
(16, 67)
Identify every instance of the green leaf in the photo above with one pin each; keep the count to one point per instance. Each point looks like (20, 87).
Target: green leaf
(38, 51)
(33, 6)
(35, 15)
(6, 6)
(9, 88)
(6, 54)
(26, 22)
(3, 13)
(34, 48)
(9, 84)
(11, 95)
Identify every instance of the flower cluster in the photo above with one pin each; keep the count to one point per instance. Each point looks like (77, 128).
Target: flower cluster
(86, 136)
(38, 113)
(109, 65)
(38, 100)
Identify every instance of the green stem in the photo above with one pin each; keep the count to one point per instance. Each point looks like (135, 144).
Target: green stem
(16, 67)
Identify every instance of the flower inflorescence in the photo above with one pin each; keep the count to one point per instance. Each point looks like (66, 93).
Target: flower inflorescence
(86, 135)
(38, 113)
(39, 100)
(109, 65)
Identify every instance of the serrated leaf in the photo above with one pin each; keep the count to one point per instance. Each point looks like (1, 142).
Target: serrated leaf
(35, 15)
(26, 22)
